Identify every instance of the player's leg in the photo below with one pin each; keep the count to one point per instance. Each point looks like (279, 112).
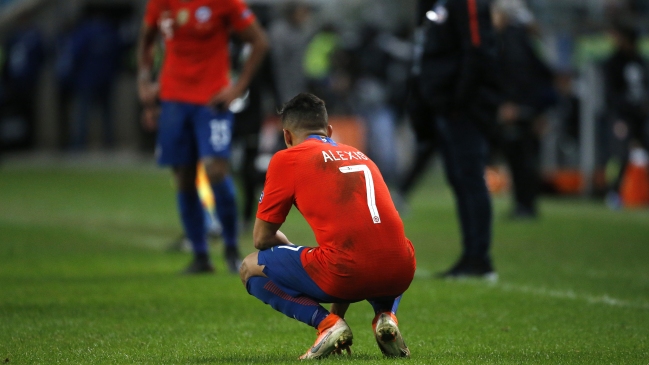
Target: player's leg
(465, 153)
(386, 329)
(192, 217)
(302, 308)
(277, 278)
(176, 148)
(214, 135)
(226, 207)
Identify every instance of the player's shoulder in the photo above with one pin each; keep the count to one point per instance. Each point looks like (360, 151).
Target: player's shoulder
(283, 157)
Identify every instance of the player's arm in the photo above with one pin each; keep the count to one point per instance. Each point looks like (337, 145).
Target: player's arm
(256, 37)
(147, 88)
(266, 235)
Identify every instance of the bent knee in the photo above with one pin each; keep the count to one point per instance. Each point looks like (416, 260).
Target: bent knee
(250, 267)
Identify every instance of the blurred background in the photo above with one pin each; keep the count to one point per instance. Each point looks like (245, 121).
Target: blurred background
(68, 85)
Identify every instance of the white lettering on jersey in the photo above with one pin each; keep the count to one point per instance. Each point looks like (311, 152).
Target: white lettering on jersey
(326, 156)
(334, 156)
(343, 156)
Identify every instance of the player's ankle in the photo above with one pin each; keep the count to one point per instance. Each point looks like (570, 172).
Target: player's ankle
(327, 322)
(378, 315)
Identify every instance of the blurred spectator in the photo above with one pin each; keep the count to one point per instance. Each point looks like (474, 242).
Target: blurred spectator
(626, 78)
(21, 71)
(528, 92)
(63, 72)
(326, 67)
(94, 57)
(453, 103)
(378, 82)
(250, 116)
(568, 114)
(289, 37)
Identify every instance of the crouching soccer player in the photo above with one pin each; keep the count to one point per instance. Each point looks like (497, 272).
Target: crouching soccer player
(362, 253)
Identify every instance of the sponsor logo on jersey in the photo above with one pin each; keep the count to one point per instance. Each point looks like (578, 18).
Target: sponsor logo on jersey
(203, 14)
(182, 16)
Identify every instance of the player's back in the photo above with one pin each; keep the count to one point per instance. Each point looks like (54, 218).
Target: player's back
(345, 200)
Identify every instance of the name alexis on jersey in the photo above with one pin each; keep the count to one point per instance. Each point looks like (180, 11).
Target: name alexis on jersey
(343, 156)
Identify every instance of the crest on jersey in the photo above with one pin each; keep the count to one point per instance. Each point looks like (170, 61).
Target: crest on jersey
(203, 14)
(182, 16)
(261, 197)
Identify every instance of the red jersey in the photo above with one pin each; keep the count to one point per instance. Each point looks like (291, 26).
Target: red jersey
(363, 251)
(197, 63)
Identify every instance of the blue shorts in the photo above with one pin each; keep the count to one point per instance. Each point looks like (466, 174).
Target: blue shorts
(189, 132)
(284, 268)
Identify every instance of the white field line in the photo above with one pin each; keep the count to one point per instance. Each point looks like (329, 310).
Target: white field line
(569, 294)
(551, 293)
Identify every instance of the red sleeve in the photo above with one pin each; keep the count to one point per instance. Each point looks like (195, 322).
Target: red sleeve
(279, 190)
(154, 9)
(239, 16)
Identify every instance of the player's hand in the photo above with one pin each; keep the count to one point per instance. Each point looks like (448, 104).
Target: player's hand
(222, 100)
(166, 25)
(149, 118)
(148, 92)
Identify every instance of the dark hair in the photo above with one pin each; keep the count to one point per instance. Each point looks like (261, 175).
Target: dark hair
(305, 112)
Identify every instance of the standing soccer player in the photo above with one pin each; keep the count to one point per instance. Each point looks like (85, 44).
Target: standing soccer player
(195, 92)
(362, 252)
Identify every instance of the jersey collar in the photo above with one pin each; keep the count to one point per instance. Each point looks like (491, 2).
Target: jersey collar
(323, 139)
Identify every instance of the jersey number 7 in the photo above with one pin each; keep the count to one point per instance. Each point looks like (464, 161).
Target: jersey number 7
(369, 187)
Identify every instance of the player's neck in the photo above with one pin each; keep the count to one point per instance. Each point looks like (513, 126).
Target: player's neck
(300, 137)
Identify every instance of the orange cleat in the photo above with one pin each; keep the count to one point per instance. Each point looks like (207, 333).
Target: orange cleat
(388, 336)
(334, 335)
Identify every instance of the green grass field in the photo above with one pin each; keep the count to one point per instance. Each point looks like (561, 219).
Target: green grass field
(85, 278)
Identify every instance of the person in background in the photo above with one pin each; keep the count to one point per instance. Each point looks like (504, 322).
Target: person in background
(568, 115)
(375, 69)
(527, 91)
(290, 36)
(453, 100)
(626, 79)
(249, 119)
(63, 74)
(96, 49)
(196, 94)
(24, 55)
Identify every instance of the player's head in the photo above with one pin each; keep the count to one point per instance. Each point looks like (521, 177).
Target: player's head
(303, 115)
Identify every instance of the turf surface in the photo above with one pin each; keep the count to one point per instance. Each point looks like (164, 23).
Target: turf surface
(85, 278)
